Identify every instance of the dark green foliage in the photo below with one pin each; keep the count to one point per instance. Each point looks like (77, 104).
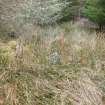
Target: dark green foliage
(70, 11)
(95, 11)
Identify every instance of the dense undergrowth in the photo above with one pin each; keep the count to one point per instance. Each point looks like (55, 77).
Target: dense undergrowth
(62, 65)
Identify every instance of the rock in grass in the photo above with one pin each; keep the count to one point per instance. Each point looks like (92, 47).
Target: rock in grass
(54, 58)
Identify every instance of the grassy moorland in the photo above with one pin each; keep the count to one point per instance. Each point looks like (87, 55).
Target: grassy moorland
(58, 65)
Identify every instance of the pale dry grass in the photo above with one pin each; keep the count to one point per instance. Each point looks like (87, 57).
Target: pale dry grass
(32, 80)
